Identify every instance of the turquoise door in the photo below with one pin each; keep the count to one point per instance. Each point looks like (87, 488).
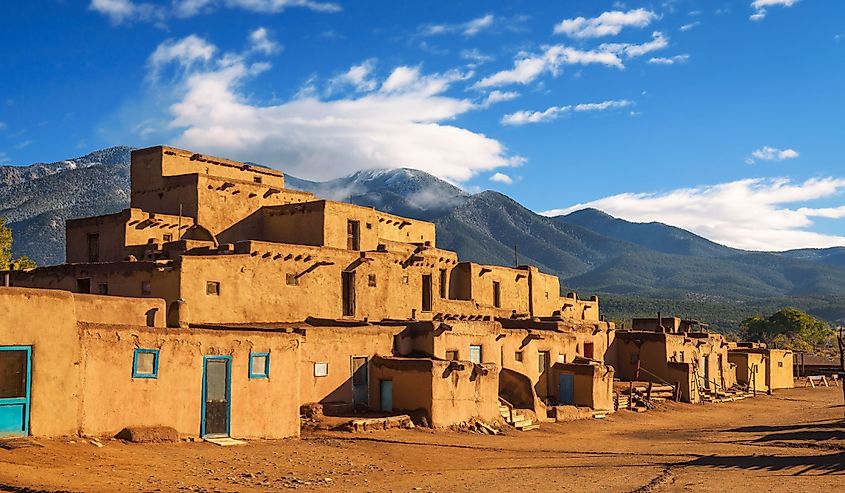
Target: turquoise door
(567, 389)
(15, 376)
(386, 393)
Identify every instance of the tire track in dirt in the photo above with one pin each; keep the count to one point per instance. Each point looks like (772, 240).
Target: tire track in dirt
(662, 480)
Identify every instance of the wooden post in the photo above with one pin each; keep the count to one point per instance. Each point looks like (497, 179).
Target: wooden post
(754, 379)
(840, 338)
(677, 391)
(630, 395)
(648, 392)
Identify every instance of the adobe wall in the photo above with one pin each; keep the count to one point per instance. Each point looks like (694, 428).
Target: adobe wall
(545, 293)
(781, 373)
(449, 392)
(295, 223)
(258, 272)
(121, 278)
(260, 408)
(513, 287)
(336, 346)
(404, 230)
(745, 362)
(149, 312)
(46, 320)
(572, 307)
(593, 384)
(560, 346)
(117, 231)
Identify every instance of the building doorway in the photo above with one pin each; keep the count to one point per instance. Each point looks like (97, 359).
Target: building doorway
(705, 372)
(360, 382)
(589, 348)
(497, 294)
(566, 389)
(353, 235)
(15, 377)
(386, 395)
(426, 292)
(216, 396)
(348, 287)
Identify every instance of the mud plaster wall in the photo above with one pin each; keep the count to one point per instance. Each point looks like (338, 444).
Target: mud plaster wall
(561, 347)
(746, 374)
(780, 369)
(461, 394)
(412, 386)
(337, 347)
(593, 385)
(119, 310)
(264, 407)
(46, 320)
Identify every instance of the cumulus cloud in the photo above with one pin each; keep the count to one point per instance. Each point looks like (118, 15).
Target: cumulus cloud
(753, 213)
(468, 29)
(630, 50)
(690, 26)
(555, 112)
(119, 11)
(261, 42)
(358, 76)
(401, 120)
(669, 60)
(185, 52)
(492, 98)
(528, 67)
(771, 154)
(607, 24)
(760, 7)
(501, 178)
(474, 55)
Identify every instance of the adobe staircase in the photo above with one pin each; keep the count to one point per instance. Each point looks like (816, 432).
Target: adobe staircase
(726, 395)
(515, 418)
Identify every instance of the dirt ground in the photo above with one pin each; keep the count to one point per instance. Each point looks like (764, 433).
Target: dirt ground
(793, 440)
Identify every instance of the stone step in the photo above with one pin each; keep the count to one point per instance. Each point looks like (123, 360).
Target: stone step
(530, 427)
(522, 423)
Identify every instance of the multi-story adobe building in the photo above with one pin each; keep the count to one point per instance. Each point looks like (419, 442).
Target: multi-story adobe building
(221, 301)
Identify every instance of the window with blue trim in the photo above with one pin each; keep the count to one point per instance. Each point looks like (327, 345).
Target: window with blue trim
(259, 365)
(145, 363)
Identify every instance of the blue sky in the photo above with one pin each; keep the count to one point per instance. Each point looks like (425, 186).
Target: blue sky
(725, 118)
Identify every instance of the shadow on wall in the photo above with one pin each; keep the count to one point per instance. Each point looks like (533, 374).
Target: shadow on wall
(517, 389)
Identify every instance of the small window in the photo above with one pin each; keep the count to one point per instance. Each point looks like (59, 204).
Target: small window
(680, 356)
(167, 237)
(321, 369)
(83, 285)
(145, 363)
(259, 365)
(444, 281)
(517, 356)
(257, 179)
(452, 355)
(146, 288)
(780, 364)
(291, 280)
(405, 279)
(543, 361)
(102, 288)
(561, 358)
(371, 280)
(369, 226)
(212, 288)
(475, 354)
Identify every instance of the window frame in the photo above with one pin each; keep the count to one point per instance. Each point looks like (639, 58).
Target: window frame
(252, 373)
(321, 364)
(209, 284)
(156, 355)
(480, 348)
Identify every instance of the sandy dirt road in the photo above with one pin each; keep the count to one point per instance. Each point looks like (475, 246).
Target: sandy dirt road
(791, 441)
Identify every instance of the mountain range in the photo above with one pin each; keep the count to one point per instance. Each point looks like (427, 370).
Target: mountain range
(592, 252)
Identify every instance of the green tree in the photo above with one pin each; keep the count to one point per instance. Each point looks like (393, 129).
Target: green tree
(790, 328)
(7, 262)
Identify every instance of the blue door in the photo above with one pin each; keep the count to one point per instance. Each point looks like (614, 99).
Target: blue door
(386, 393)
(216, 396)
(15, 376)
(567, 389)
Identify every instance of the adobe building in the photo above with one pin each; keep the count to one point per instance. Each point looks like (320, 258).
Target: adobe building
(218, 282)
(761, 368)
(673, 351)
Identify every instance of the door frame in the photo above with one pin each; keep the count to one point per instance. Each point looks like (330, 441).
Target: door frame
(228, 360)
(27, 400)
(352, 377)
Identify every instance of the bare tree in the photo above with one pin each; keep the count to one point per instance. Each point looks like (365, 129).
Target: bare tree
(840, 338)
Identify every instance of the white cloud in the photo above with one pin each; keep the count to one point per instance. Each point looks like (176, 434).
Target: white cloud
(691, 25)
(658, 42)
(358, 76)
(120, 11)
(669, 60)
(185, 52)
(401, 122)
(555, 112)
(771, 154)
(492, 98)
(760, 7)
(468, 29)
(261, 42)
(474, 55)
(501, 178)
(751, 214)
(607, 24)
(528, 67)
